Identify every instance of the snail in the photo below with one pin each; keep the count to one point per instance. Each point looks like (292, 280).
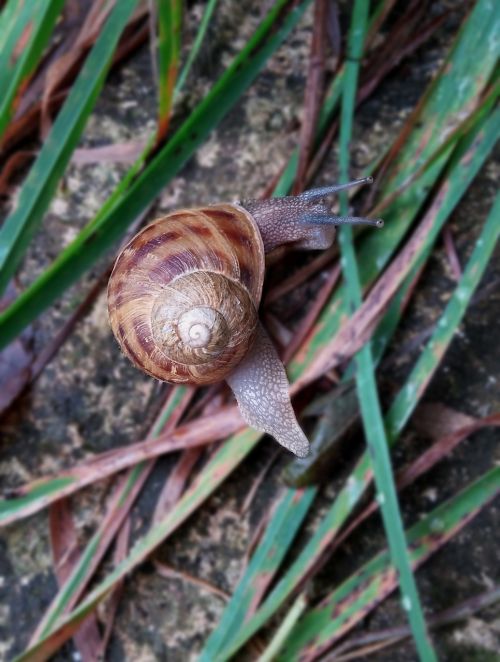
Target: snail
(184, 294)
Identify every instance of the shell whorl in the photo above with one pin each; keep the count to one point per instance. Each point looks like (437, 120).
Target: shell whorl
(184, 294)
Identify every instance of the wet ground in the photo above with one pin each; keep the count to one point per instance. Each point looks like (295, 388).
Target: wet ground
(89, 399)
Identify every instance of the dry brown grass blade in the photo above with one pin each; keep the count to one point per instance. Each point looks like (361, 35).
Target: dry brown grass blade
(451, 252)
(13, 164)
(61, 69)
(115, 153)
(65, 553)
(301, 275)
(314, 91)
(121, 549)
(313, 312)
(118, 509)
(203, 431)
(257, 482)
(436, 420)
(168, 572)
(176, 482)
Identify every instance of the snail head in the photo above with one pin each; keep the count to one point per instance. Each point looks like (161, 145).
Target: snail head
(305, 220)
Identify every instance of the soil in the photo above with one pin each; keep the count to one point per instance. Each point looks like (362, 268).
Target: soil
(90, 399)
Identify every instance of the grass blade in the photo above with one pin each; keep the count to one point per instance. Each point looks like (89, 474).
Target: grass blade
(225, 461)
(404, 404)
(55, 154)
(284, 629)
(24, 35)
(98, 237)
(351, 601)
(286, 520)
(371, 411)
(169, 43)
(195, 48)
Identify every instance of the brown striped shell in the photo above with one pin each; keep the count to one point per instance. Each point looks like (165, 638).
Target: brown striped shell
(184, 293)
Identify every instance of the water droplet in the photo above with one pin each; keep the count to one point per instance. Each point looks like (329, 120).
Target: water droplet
(406, 602)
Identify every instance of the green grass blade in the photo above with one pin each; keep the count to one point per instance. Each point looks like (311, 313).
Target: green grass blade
(169, 44)
(17, 60)
(86, 562)
(285, 522)
(283, 632)
(349, 603)
(404, 404)
(95, 239)
(55, 154)
(371, 411)
(195, 48)
(224, 462)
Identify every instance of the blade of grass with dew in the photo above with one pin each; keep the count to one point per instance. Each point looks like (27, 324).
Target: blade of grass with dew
(169, 43)
(346, 500)
(351, 601)
(195, 48)
(24, 35)
(86, 564)
(404, 404)
(225, 460)
(371, 411)
(39, 187)
(96, 238)
(286, 519)
(469, 65)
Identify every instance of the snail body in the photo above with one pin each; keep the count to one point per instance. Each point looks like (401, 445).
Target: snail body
(184, 294)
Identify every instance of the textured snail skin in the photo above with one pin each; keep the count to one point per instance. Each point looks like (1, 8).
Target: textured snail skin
(184, 293)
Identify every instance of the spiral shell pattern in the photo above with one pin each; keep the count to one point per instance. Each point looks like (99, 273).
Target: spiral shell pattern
(184, 293)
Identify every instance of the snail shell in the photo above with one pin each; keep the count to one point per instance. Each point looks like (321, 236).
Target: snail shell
(184, 294)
